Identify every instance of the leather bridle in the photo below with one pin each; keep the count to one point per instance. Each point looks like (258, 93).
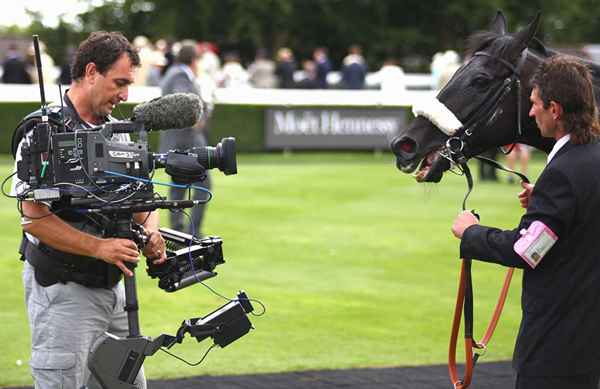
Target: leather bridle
(488, 111)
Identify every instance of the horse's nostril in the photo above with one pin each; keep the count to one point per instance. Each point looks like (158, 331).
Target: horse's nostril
(406, 145)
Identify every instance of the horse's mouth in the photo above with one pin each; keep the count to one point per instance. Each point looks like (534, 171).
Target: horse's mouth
(432, 167)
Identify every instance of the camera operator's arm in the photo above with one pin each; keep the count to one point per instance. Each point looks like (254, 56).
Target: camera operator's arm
(155, 248)
(59, 235)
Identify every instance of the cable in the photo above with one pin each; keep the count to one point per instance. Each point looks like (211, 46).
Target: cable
(181, 186)
(264, 308)
(191, 260)
(4, 183)
(184, 361)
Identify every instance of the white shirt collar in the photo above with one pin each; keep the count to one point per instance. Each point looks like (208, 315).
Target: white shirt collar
(557, 146)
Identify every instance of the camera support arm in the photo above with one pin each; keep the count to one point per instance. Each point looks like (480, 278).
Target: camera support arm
(115, 362)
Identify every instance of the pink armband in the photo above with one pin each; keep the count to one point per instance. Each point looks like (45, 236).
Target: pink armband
(535, 242)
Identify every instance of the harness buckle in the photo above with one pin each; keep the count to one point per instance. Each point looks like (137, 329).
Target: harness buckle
(455, 145)
(481, 348)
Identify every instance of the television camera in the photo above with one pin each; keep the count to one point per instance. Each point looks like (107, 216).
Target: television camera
(107, 171)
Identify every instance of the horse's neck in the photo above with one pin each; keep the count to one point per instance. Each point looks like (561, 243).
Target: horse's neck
(541, 52)
(531, 133)
(595, 68)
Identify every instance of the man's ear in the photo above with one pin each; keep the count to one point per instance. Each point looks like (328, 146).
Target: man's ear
(91, 71)
(556, 109)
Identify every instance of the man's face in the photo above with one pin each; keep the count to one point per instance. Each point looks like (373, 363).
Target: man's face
(544, 117)
(109, 89)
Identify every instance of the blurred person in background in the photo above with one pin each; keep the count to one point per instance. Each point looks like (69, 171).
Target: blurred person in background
(286, 66)
(309, 79)
(520, 152)
(354, 69)
(233, 74)
(14, 67)
(65, 69)
(443, 67)
(181, 78)
(49, 71)
(158, 61)
(166, 48)
(323, 66)
(209, 63)
(390, 77)
(262, 71)
(146, 52)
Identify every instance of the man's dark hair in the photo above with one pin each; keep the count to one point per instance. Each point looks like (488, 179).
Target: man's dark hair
(568, 81)
(103, 49)
(187, 54)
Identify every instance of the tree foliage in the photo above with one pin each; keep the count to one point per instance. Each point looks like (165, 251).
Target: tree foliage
(405, 29)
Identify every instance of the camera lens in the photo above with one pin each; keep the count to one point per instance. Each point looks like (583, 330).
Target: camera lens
(222, 156)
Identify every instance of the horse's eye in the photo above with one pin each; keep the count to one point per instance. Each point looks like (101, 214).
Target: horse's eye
(480, 82)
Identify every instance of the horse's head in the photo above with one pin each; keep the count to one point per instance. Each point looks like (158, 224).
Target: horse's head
(484, 105)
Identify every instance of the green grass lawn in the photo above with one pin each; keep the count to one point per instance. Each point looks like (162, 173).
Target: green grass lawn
(355, 262)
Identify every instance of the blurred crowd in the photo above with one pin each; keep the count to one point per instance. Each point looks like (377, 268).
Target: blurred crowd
(280, 69)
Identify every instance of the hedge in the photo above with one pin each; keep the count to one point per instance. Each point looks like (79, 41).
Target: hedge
(244, 122)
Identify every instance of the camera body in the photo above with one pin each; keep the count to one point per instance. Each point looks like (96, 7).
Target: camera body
(102, 166)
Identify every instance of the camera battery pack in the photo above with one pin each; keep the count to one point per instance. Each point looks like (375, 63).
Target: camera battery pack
(47, 194)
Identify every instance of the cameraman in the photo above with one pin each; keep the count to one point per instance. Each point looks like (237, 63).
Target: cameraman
(72, 273)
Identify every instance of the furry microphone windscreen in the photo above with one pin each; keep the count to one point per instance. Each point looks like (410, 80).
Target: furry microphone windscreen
(177, 110)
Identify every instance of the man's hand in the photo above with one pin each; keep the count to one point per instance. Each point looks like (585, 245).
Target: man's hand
(117, 251)
(464, 220)
(525, 194)
(155, 248)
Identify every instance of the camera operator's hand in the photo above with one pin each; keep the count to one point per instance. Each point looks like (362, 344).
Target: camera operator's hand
(117, 251)
(155, 248)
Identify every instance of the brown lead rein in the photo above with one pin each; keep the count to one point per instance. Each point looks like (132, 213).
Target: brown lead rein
(470, 343)
(464, 299)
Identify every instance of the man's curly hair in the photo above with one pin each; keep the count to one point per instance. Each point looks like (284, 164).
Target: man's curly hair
(568, 81)
(103, 49)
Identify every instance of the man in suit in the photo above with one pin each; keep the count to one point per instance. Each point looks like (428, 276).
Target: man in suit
(14, 68)
(556, 242)
(181, 78)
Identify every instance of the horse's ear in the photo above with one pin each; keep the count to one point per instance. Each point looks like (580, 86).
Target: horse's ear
(499, 24)
(526, 34)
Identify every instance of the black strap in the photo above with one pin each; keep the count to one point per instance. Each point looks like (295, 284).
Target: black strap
(499, 166)
(51, 268)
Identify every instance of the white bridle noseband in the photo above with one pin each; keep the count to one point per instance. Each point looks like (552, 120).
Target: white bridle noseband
(438, 114)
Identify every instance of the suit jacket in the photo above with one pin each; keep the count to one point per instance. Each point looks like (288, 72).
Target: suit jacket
(180, 79)
(559, 333)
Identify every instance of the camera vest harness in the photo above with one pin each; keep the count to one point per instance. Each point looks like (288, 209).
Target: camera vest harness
(51, 265)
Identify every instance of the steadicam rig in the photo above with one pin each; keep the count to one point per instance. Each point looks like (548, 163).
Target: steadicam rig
(107, 180)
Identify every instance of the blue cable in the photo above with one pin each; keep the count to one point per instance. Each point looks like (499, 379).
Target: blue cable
(158, 182)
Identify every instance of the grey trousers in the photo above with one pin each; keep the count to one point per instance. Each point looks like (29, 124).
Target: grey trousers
(185, 139)
(65, 320)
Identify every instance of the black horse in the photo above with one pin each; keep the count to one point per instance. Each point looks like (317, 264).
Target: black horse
(485, 104)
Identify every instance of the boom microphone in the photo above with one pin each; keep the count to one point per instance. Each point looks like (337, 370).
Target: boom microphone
(177, 110)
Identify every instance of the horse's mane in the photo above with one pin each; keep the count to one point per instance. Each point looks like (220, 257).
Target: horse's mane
(500, 44)
(481, 40)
